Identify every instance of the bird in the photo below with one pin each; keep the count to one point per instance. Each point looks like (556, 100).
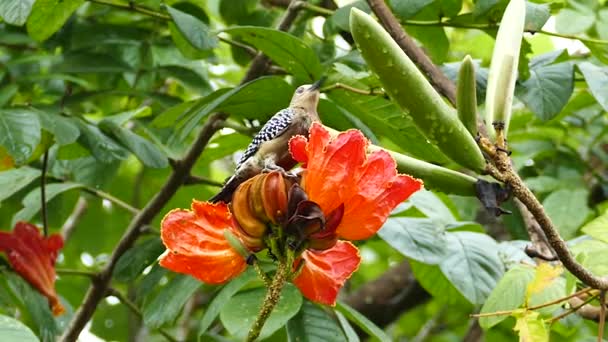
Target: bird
(269, 150)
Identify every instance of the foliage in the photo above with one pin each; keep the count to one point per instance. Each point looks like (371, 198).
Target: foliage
(113, 94)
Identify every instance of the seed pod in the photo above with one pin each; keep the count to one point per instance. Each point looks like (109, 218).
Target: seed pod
(466, 96)
(410, 89)
(434, 177)
(503, 68)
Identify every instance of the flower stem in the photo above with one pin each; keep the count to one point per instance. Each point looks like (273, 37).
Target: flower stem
(272, 298)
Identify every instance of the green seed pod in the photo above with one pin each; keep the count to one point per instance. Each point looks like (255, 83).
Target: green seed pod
(436, 177)
(466, 96)
(411, 90)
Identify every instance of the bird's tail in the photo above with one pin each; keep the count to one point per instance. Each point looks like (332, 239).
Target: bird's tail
(225, 194)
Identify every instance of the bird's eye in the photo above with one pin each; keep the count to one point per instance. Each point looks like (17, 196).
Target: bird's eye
(300, 90)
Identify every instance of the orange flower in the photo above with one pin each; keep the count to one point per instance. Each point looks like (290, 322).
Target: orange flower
(343, 193)
(33, 257)
(340, 177)
(196, 244)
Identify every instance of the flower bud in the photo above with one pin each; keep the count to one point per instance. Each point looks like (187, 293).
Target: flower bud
(260, 201)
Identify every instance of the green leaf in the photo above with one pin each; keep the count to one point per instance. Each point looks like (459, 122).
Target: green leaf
(536, 16)
(19, 133)
(15, 12)
(432, 206)
(32, 303)
(361, 321)
(472, 264)
(531, 327)
(432, 279)
(577, 18)
(248, 104)
(417, 238)
(165, 307)
(14, 180)
(313, 324)
(340, 20)
(48, 16)
(103, 147)
(592, 254)
(80, 62)
(143, 149)
(31, 202)
(554, 290)
(387, 119)
(194, 30)
(225, 100)
(7, 92)
(137, 258)
(13, 330)
(597, 229)
(222, 297)
(122, 118)
(63, 129)
(509, 294)
(548, 89)
(239, 314)
(597, 79)
(568, 209)
(286, 50)
(349, 331)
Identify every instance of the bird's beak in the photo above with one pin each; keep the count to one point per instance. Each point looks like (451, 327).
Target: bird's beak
(317, 84)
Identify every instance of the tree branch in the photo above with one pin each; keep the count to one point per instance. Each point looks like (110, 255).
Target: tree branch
(437, 78)
(70, 224)
(129, 304)
(45, 219)
(133, 7)
(385, 298)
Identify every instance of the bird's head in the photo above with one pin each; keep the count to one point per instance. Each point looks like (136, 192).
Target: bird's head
(307, 96)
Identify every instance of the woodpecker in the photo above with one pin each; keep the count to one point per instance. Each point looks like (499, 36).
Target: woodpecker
(269, 148)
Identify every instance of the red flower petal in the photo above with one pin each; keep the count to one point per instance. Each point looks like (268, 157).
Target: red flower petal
(324, 272)
(339, 171)
(196, 243)
(333, 166)
(297, 149)
(33, 257)
(379, 190)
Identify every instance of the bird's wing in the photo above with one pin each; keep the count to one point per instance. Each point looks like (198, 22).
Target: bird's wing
(273, 128)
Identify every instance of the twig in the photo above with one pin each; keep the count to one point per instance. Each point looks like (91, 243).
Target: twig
(426, 329)
(559, 300)
(65, 271)
(495, 26)
(315, 9)
(353, 89)
(133, 7)
(535, 307)
(260, 62)
(602, 323)
(115, 200)
(394, 28)
(70, 224)
(573, 309)
(45, 221)
(194, 180)
(250, 51)
(129, 304)
(540, 246)
(248, 131)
